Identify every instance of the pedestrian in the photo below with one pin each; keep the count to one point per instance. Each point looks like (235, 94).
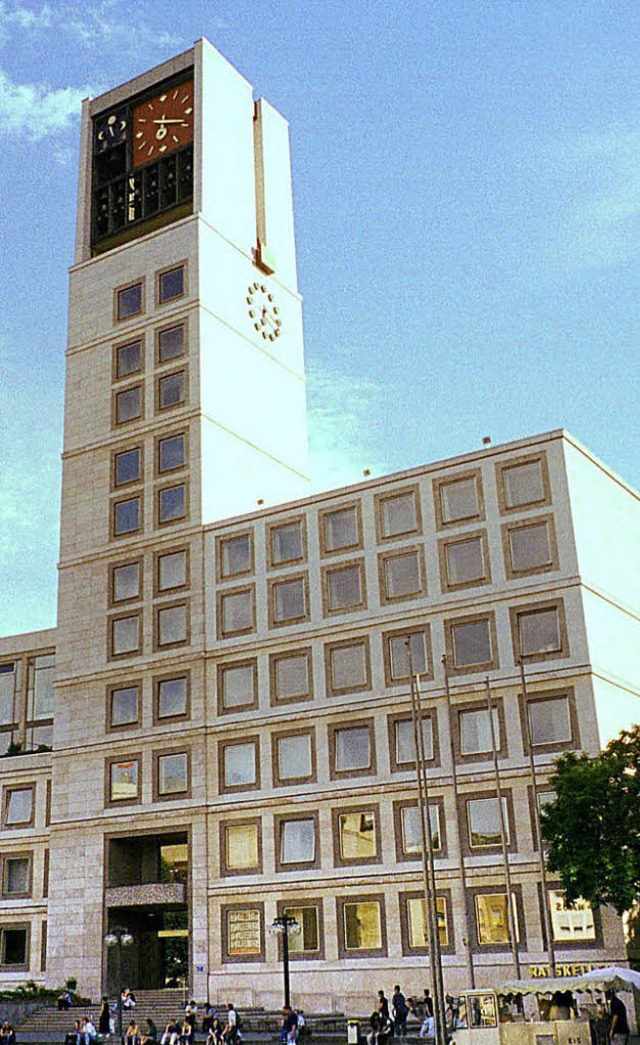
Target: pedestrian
(383, 1009)
(230, 1032)
(288, 1026)
(208, 1018)
(619, 1033)
(215, 1033)
(428, 1028)
(400, 1012)
(64, 1000)
(150, 1036)
(104, 1027)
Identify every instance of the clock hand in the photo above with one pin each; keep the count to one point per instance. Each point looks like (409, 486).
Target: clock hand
(163, 120)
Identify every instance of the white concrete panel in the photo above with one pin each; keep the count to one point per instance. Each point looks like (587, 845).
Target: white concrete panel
(274, 193)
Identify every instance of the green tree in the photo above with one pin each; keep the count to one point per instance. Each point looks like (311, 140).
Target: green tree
(592, 828)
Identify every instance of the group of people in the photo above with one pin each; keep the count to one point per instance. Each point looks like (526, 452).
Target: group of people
(389, 1019)
(7, 1034)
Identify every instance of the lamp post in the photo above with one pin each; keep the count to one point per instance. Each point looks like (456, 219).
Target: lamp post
(285, 926)
(119, 938)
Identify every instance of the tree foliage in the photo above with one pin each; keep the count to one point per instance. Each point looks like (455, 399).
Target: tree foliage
(592, 828)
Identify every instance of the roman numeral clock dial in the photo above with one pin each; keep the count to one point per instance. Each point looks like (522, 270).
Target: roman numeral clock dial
(163, 124)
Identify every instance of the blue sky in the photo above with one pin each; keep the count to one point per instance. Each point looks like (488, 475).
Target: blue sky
(467, 187)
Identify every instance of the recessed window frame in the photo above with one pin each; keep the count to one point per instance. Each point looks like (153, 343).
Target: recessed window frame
(464, 538)
(471, 669)
(15, 927)
(586, 942)
(139, 562)
(400, 553)
(221, 669)
(296, 865)
(465, 824)
(112, 620)
(162, 301)
(547, 696)
(180, 716)
(176, 520)
(114, 760)
(363, 808)
(119, 391)
(273, 584)
(334, 509)
(292, 904)
(401, 633)
(300, 652)
(335, 568)
(116, 687)
(405, 716)
(472, 918)
(470, 475)
(124, 534)
(182, 322)
(292, 781)
(171, 796)
(117, 317)
(361, 898)
(273, 527)
(221, 540)
(445, 908)
(252, 740)
(233, 958)
(23, 854)
(531, 522)
(164, 607)
(529, 609)
(332, 647)
(514, 462)
(228, 871)
(225, 593)
(402, 854)
(159, 440)
(479, 705)
(163, 376)
(345, 774)
(390, 495)
(115, 454)
(130, 342)
(163, 553)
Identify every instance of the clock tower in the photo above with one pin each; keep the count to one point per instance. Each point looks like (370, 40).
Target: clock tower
(185, 404)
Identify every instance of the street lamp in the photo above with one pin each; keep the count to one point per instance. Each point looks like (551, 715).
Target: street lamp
(119, 938)
(285, 926)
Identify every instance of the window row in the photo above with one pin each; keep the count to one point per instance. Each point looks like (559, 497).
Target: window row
(171, 572)
(171, 627)
(171, 505)
(361, 924)
(171, 777)
(170, 285)
(39, 697)
(170, 454)
(171, 390)
(522, 484)
(129, 357)
(538, 630)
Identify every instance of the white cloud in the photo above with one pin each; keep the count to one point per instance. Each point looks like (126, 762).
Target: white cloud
(119, 23)
(341, 409)
(36, 111)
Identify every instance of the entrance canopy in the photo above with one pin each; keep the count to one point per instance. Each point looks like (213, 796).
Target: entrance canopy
(612, 977)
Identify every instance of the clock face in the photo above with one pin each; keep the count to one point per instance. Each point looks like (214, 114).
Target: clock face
(264, 312)
(163, 124)
(111, 130)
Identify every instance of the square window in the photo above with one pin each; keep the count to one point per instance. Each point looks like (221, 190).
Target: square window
(348, 667)
(288, 600)
(171, 284)
(411, 830)
(123, 780)
(128, 359)
(475, 731)
(485, 828)
(127, 466)
(492, 918)
(128, 404)
(242, 933)
(307, 941)
(523, 484)
(398, 514)
(471, 642)
(172, 570)
(238, 685)
(240, 766)
(340, 529)
(124, 705)
(235, 555)
(352, 749)
(549, 721)
(297, 841)
(401, 575)
(344, 588)
(171, 390)
(19, 804)
(459, 499)
(9, 683)
(294, 757)
(570, 924)
(126, 582)
(126, 516)
(417, 926)
(173, 773)
(357, 835)
(362, 926)
(465, 562)
(539, 631)
(286, 543)
(13, 947)
(236, 611)
(241, 843)
(405, 741)
(171, 343)
(399, 655)
(171, 453)
(172, 625)
(172, 696)
(17, 875)
(290, 676)
(172, 503)
(125, 635)
(129, 301)
(530, 547)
